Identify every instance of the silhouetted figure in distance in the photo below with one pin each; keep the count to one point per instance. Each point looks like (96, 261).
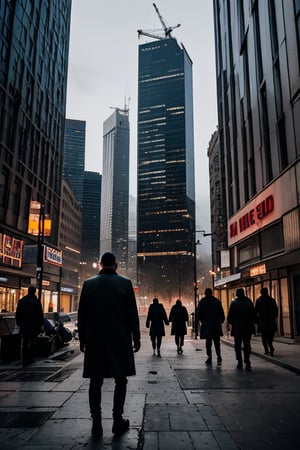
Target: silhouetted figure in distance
(179, 317)
(156, 318)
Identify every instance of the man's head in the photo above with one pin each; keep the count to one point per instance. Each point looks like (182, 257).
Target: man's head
(178, 302)
(208, 292)
(264, 291)
(31, 290)
(240, 293)
(108, 260)
(155, 300)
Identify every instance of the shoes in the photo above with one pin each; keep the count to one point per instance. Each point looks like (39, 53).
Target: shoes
(158, 353)
(219, 360)
(208, 361)
(180, 350)
(154, 354)
(248, 367)
(240, 365)
(97, 430)
(120, 426)
(272, 351)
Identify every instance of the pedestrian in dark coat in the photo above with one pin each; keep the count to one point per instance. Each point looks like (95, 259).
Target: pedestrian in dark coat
(156, 318)
(266, 313)
(178, 317)
(108, 322)
(30, 319)
(241, 317)
(211, 315)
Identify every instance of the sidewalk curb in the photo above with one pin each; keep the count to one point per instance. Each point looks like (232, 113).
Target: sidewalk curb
(271, 359)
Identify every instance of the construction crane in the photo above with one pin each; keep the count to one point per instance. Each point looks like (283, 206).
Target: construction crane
(167, 30)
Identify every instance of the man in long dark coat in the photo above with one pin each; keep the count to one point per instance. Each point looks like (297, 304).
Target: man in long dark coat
(108, 323)
(156, 318)
(30, 319)
(211, 315)
(266, 313)
(241, 317)
(179, 317)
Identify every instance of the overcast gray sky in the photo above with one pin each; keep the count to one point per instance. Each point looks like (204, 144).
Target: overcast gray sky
(103, 70)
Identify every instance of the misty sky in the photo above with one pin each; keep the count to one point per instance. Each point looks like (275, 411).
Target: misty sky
(103, 71)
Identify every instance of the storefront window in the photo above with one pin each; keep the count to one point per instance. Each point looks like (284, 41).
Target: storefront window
(285, 324)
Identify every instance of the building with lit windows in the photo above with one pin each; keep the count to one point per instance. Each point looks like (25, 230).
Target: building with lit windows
(166, 190)
(258, 91)
(90, 241)
(115, 188)
(74, 156)
(34, 48)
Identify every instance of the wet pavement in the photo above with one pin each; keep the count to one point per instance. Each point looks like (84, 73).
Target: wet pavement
(174, 402)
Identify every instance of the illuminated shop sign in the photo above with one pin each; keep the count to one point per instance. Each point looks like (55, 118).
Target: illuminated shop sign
(265, 208)
(253, 216)
(258, 270)
(11, 250)
(52, 256)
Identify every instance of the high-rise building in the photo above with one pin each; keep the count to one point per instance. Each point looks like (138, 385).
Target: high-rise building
(74, 156)
(258, 85)
(34, 46)
(90, 241)
(166, 187)
(115, 187)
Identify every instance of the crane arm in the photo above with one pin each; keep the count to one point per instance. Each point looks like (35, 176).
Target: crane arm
(161, 19)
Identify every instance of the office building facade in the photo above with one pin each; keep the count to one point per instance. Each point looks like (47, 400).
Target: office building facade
(74, 155)
(34, 46)
(166, 187)
(115, 187)
(258, 86)
(90, 241)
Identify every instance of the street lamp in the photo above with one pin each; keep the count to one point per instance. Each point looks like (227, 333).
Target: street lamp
(195, 278)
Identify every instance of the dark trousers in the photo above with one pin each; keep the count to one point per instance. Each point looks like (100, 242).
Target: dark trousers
(156, 342)
(27, 348)
(245, 341)
(179, 340)
(267, 340)
(216, 341)
(119, 396)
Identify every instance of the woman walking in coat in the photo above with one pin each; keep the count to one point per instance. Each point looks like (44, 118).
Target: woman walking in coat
(241, 317)
(109, 334)
(211, 315)
(179, 317)
(156, 318)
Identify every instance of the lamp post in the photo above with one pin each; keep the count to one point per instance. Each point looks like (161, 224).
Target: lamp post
(196, 242)
(39, 268)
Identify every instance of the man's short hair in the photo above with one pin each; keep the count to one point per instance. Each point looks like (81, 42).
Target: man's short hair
(31, 290)
(108, 259)
(264, 291)
(240, 292)
(208, 292)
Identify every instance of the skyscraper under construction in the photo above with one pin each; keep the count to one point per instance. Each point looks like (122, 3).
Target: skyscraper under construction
(166, 187)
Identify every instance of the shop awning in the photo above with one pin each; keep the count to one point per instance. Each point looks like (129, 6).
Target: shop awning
(229, 279)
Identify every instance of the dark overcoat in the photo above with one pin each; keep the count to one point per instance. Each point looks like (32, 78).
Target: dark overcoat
(241, 317)
(178, 317)
(108, 321)
(156, 318)
(266, 313)
(29, 315)
(211, 315)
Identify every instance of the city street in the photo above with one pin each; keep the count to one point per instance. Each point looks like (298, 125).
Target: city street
(175, 402)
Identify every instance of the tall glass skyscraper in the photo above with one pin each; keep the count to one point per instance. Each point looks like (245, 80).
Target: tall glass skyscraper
(74, 156)
(115, 187)
(166, 186)
(34, 48)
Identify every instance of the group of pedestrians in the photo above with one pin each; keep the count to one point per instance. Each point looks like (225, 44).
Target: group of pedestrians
(241, 320)
(109, 332)
(157, 319)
